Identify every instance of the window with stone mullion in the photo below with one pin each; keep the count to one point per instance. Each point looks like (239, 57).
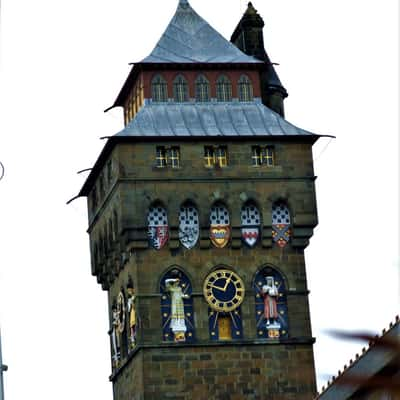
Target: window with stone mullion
(245, 89)
(202, 90)
(224, 89)
(180, 90)
(159, 90)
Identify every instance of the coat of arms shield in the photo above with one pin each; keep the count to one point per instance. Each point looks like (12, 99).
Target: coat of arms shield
(220, 235)
(250, 235)
(158, 236)
(251, 218)
(157, 227)
(188, 226)
(220, 231)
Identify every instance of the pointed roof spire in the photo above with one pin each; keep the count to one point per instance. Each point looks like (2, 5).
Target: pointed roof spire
(190, 39)
(250, 9)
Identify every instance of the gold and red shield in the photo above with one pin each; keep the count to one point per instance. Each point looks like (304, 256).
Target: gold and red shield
(220, 235)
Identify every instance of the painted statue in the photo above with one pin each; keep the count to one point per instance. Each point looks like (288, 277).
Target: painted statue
(130, 305)
(115, 337)
(177, 324)
(269, 292)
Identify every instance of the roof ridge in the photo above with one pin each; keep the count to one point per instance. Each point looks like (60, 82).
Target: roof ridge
(364, 351)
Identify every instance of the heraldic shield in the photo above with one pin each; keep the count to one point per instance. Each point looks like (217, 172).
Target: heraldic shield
(188, 226)
(157, 227)
(281, 228)
(251, 220)
(220, 231)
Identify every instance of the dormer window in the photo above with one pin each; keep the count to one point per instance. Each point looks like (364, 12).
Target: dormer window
(159, 89)
(224, 89)
(181, 94)
(245, 89)
(202, 89)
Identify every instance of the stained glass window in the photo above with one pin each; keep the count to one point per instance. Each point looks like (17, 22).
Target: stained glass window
(245, 89)
(159, 89)
(224, 89)
(180, 89)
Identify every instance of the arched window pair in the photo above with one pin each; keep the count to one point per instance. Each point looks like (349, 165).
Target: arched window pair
(159, 89)
(224, 89)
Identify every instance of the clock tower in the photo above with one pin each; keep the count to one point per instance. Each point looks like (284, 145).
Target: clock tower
(199, 213)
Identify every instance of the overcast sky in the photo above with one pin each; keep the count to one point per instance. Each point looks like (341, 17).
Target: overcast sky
(63, 62)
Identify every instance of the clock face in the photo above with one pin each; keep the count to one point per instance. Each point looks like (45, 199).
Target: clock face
(223, 290)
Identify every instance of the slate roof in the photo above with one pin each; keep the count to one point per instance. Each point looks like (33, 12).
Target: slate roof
(190, 39)
(209, 119)
(369, 365)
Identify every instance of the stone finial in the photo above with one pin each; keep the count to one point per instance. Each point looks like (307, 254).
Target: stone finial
(250, 9)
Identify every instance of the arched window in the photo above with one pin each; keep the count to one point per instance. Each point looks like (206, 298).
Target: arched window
(271, 304)
(224, 89)
(245, 89)
(251, 220)
(220, 230)
(188, 225)
(281, 225)
(159, 89)
(202, 89)
(157, 221)
(181, 93)
(177, 307)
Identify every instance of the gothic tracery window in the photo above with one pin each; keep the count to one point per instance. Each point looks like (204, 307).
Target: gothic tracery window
(245, 89)
(159, 89)
(202, 89)
(224, 89)
(181, 93)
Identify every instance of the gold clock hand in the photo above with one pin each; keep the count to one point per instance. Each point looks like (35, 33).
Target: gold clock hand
(227, 283)
(216, 287)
